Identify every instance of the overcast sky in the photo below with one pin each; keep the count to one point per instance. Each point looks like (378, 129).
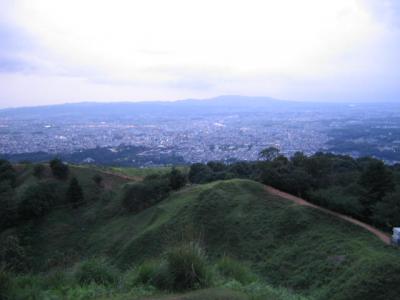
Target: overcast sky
(56, 51)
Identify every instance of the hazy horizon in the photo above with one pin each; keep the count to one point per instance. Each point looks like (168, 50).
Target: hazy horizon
(55, 52)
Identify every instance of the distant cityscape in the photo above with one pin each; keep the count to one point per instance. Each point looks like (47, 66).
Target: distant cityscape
(230, 136)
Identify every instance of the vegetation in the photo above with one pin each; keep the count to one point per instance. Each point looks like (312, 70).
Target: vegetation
(37, 200)
(220, 240)
(75, 193)
(59, 169)
(362, 188)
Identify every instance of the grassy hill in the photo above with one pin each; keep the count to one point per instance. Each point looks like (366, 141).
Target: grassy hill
(288, 251)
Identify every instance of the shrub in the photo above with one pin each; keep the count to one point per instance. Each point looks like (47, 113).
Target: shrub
(200, 173)
(177, 179)
(38, 171)
(8, 207)
(59, 169)
(5, 285)
(142, 195)
(187, 267)
(12, 255)
(152, 272)
(7, 172)
(96, 271)
(98, 179)
(75, 192)
(37, 200)
(336, 198)
(231, 268)
(181, 268)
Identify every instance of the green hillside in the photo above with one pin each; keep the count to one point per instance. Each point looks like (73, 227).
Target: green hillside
(283, 251)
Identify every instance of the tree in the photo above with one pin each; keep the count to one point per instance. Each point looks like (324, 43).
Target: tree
(98, 179)
(37, 200)
(299, 159)
(377, 180)
(141, 195)
(269, 153)
(7, 172)
(216, 166)
(200, 173)
(387, 212)
(38, 171)
(177, 179)
(59, 169)
(75, 192)
(8, 207)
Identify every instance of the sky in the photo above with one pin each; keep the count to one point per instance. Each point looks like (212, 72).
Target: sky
(57, 51)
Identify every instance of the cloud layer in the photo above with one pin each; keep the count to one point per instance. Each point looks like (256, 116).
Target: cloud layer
(103, 50)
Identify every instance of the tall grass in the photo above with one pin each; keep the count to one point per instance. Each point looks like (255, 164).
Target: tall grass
(233, 269)
(96, 271)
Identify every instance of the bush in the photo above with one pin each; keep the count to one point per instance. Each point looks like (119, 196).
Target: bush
(75, 192)
(177, 179)
(59, 169)
(200, 173)
(153, 273)
(37, 200)
(12, 255)
(182, 268)
(337, 199)
(142, 195)
(96, 271)
(230, 268)
(98, 179)
(7, 172)
(5, 285)
(38, 171)
(187, 268)
(8, 206)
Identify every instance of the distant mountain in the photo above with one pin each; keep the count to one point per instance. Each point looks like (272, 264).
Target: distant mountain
(221, 104)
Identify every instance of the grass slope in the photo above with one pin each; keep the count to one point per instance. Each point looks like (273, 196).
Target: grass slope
(299, 248)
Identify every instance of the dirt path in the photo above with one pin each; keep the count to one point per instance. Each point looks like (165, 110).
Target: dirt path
(380, 234)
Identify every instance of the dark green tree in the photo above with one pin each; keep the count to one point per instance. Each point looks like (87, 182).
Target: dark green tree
(75, 193)
(177, 179)
(216, 166)
(377, 180)
(7, 172)
(38, 171)
(387, 212)
(37, 200)
(141, 195)
(8, 207)
(269, 153)
(200, 173)
(59, 169)
(98, 179)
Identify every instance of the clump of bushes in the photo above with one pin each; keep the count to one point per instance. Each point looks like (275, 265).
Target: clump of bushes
(7, 173)
(153, 189)
(59, 169)
(96, 271)
(75, 193)
(37, 200)
(12, 255)
(182, 268)
(188, 268)
(39, 170)
(5, 285)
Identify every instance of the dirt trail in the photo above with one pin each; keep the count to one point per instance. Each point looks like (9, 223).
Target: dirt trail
(380, 234)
